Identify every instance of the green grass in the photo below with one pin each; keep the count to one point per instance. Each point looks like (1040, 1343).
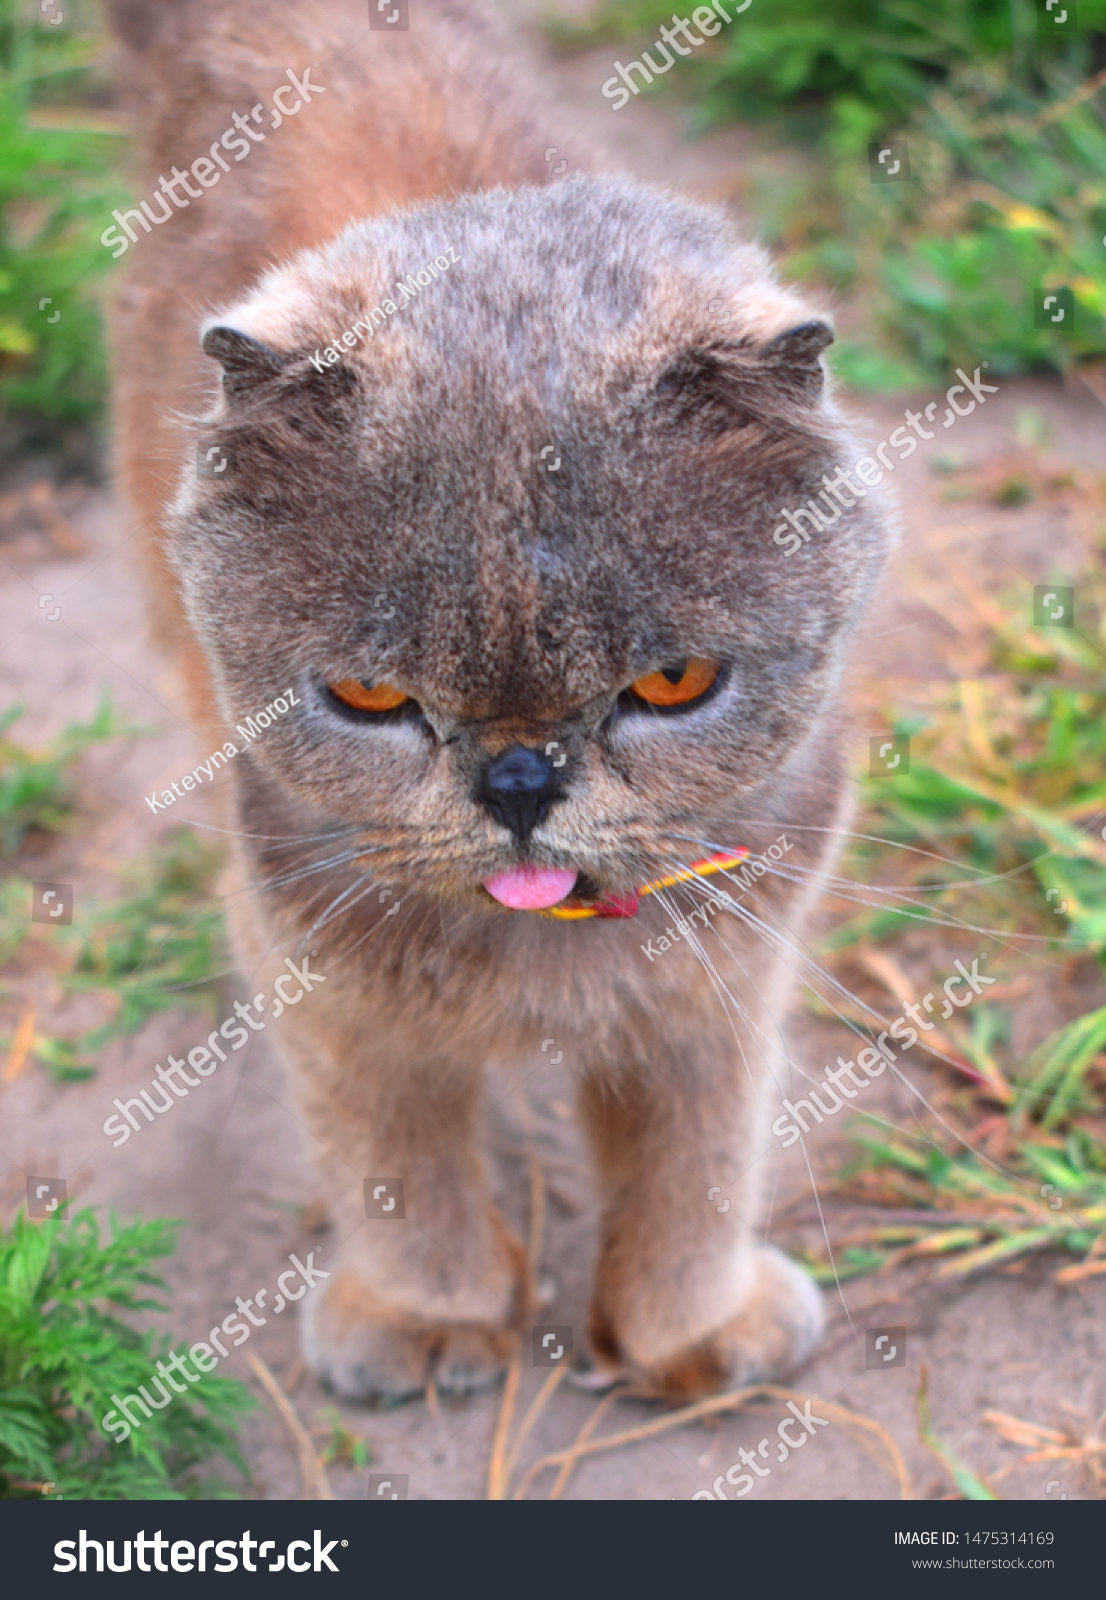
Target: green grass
(57, 191)
(798, 58)
(155, 949)
(64, 1351)
(161, 946)
(1051, 1197)
(1008, 780)
(158, 947)
(1004, 198)
(36, 787)
(969, 1485)
(1005, 194)
(1008, 786)
(343, 1445)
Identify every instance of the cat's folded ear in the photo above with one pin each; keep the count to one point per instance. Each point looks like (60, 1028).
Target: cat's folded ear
(246, 362)
(730, 382)
(795, 356)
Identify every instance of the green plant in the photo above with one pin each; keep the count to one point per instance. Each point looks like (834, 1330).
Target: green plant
(145, 953)
(1053, 1085)
(1007, 156)
(1008, 197)
(997, 825)
(343, 1445)
(970, 1486)
(64, 1354)
(1007, 777)
(163, 945)
(56, 193)
(963, 1210)
(794, 55)
(34, 785)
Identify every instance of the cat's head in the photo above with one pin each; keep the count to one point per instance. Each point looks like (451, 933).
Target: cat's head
(514, 550)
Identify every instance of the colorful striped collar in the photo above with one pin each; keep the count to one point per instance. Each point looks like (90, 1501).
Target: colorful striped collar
(626, 905)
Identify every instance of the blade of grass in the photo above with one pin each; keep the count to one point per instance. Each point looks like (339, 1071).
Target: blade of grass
(970, 1486)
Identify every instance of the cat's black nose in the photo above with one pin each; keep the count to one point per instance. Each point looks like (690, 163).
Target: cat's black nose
(518, 788)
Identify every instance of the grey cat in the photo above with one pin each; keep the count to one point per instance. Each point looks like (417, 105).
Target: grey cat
(504, 466)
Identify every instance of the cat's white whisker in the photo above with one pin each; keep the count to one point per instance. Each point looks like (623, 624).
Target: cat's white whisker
(936, 916)
(689, 885)
(297, 875)
(807, 960)
(293, 838)
(720, 987)
(335, 908)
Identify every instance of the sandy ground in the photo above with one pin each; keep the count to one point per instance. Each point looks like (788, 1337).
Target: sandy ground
(237, 1166)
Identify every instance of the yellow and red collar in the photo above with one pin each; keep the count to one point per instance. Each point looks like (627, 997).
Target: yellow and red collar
(626, 905)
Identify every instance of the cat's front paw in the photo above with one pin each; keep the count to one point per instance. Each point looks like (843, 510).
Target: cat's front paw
(363, 1349)
(779, 1324)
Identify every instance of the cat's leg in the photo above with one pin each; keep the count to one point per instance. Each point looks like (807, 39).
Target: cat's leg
(687, 1300)
(439, 1293)
(383, 1088)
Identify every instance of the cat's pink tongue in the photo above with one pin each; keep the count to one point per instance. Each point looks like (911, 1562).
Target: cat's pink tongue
(530, 888)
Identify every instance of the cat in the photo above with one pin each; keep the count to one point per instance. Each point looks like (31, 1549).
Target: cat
(502, 454)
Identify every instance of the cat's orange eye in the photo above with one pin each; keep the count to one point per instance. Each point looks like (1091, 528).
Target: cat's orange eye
(364, 696)
(677, 685)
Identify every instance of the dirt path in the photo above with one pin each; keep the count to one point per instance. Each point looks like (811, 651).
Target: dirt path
(235, 1164)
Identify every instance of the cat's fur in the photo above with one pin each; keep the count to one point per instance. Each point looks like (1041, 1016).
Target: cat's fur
(392, 518)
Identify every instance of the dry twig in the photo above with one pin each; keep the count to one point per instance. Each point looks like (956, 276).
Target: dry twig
(312, 1476)
(21, 1045)
(711, 1407)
